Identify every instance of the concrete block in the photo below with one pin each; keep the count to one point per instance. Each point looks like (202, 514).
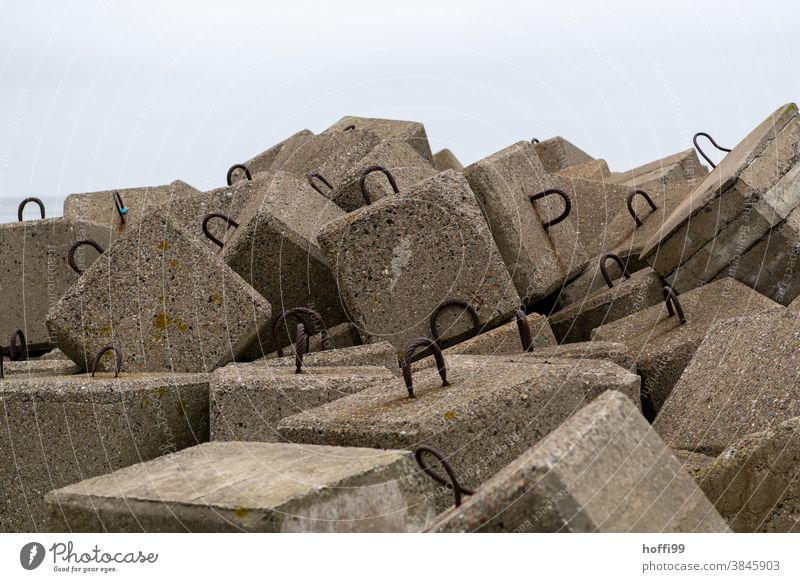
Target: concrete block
(249, 400)
(410, 132)
(446, 160)
(39, 367)
(101, 207)
(740, 381)
(755, 483)
(575, 323)
(591, 279)
(693, 463)
(489, 413)
(54, 354)
(663, 346)
(614, 352)
(164, 299)
(253, 487)
(265, 161)
(596, 170)
(34, 272)
(404, 164)
(343, 335)
(752, 191)
(603, 470)
(58, 431)
(378, 354)
(557, 154)
(393, 269)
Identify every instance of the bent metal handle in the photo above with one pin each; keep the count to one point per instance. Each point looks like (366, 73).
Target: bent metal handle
(671, 299)
(644, 195)
(301, 347)
(117, 359)
(700, 150)
(225, 217)
(367, 172)
(524, 329)
(476, 326)
(312, 176)
(408, 353)
(316, 321)
(75, 246)
(451, 482)
(25, 202)
(232, 169)
(17, 334)
(567, 205)
(604, 271)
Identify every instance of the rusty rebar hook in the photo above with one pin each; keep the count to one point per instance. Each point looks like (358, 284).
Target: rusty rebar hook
(302, 345)
(310, 177)
(714, 143)
(567, 205)
(476, 325)
(225, 217)
(25, 202)
(121, 210)
(408, 353)
(647, 198)
(367, 172)
(535, 140)
(233, 168)
(458, 489)
(524, 329)
(17, 334)
(671, 299)
(117, 359)
(604, 271)
(316, 322)
(349, 127)
(75, 246)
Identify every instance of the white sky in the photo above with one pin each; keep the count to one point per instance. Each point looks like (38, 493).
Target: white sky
(98, 95)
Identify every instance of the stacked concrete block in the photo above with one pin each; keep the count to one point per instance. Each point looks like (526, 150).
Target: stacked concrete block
(35, 273)
(163, 298)
(446, 160)
(252, 487)
(378, 354)
(596, 170)
(557, 154)
(615, 352)
(39, 367)
(603, 470)
(343, 335)
(664, 346)
(265, 161)
(742, 215)
(393, 270)
(490, 411)
(58, 431)
(410, 132)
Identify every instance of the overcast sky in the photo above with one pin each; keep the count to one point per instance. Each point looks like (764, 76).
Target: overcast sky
(99, 95)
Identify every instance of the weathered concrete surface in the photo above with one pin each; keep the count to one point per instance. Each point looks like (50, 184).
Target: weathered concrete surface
(378, 354)
(675, 174)
(54, 354)
(39, 367)
(755, 483)
(492, 411)
(400, 159)
(393, 269)
(603, 470)
(446, 160)
(612, 351)
(751, 191)
(693, 463)
(57, 431)
(557, 154)
(164, 299)
(663, 347)
(275, 250)
(591, 279)
(344, 335)
(627, 296)
(742, 379)
(249, 400)
(596, 170)
(265, 161)
(411, 132)
(99, 207)
(34, 271)
(256, 487)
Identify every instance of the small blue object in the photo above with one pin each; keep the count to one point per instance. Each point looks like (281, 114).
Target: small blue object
(123, 210)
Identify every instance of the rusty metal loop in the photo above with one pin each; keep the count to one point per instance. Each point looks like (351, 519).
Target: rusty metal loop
(451, 482)
(310, 177)
(225, 217)
(316, 322)
(75, 246)
(24, 203)
(117, 359)
(524, 329)
(235, 167)
(17, 334)
(349, 127)
(302, 345)
(700, 150)
(567, 205)
(367, 172)
(604, 272)
(121, 210)
(408, 353)
(671, 299)
(644, 195)
(535, 140)
(476, 326)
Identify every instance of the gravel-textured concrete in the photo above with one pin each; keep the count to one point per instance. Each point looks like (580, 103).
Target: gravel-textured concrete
(446, 160)
(377, 354)
(265, 161)
(411, 132)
